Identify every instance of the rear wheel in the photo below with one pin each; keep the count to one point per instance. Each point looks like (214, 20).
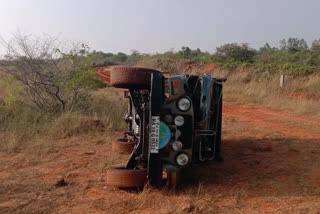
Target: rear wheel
(122, 145)
(126, 178)
(139, 78)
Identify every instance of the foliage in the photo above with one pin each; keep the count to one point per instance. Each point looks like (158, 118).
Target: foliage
(193, 55)
(293, 45)
(100, 58)
(293, 56)
(47, 78)
(12, 88)
(315, 47)
(266, 51)
(236, 53)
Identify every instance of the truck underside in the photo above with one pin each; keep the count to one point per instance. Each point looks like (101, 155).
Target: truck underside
(173, 123)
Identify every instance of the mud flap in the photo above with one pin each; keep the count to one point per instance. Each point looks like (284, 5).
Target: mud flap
(156, 100)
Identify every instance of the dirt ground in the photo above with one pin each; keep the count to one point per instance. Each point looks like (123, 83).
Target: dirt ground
(271, 165)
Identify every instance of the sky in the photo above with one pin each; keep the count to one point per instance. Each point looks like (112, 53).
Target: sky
(151, 26)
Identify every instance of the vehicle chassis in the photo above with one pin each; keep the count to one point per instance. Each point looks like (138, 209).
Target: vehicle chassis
(201, 131)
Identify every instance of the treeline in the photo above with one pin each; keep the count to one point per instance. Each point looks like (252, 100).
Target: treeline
(292, 55)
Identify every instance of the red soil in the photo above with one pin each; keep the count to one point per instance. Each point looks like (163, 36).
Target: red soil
(271, 165)
(301, 96)
(210, 67)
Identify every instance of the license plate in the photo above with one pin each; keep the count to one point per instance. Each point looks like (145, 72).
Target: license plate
(154, 134)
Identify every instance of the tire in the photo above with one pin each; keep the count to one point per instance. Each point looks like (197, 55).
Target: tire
(138, 78)
(126, 178)
(122, 145)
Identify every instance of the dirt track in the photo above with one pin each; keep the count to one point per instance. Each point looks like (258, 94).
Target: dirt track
(271, 165)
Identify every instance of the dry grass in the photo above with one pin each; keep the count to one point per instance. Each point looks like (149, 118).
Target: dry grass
(194, 200)
(104, 110)
(241, 87)
(244, 87)
(22, 126)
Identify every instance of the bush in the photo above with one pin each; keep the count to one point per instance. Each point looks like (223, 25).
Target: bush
(235, 53)
(40, 75)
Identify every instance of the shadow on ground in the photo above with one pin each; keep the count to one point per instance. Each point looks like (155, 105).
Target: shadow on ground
(262, 167)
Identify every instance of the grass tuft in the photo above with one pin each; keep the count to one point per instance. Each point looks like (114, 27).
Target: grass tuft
(22, 125)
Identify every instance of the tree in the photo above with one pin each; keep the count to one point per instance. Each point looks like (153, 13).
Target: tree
(266, 51)
(293, 45)
(283, 44)
(100, 58)
(120, 57)
(315, 47)
(236, 52)
(51, 80)
(134, 52)
(188, 53)
(185, 52)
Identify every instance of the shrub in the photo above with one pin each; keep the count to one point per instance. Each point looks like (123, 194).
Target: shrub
(235, 52)
(43, 76)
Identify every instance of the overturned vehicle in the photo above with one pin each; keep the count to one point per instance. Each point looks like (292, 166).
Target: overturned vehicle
(173, 123)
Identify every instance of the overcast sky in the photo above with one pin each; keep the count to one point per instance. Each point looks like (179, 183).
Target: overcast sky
(155, 26)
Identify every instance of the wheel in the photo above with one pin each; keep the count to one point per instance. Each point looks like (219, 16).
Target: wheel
(139, 78)
(126, 178)
(122, 145)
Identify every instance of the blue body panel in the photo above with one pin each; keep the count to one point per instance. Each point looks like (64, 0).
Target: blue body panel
(205, 96)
